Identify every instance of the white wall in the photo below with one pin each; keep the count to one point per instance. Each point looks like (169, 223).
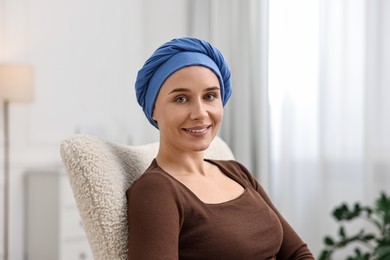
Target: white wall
(86, 55)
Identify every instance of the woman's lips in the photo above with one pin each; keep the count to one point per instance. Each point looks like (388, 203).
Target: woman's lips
(198, 129)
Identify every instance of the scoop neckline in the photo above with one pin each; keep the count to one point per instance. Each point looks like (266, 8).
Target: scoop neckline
(195, 196)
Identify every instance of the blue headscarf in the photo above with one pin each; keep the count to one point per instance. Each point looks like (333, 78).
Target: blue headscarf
(175, 55)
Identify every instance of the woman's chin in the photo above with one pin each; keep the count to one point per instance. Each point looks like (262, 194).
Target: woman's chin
(201, 146)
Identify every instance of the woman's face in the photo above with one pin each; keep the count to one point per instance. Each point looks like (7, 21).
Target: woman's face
(189, 109)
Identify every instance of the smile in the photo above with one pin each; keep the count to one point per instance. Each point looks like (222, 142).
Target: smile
(197, 130)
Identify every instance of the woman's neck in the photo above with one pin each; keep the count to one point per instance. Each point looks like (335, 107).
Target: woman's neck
(181, 163)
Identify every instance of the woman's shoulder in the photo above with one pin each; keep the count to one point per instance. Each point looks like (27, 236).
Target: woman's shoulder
(228, 164)
(154, 181)
(235, 169)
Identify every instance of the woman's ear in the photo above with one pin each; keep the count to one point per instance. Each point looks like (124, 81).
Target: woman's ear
(154, 116)
(154, 119)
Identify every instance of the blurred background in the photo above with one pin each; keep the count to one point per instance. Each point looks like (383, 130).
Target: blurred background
(308, 115)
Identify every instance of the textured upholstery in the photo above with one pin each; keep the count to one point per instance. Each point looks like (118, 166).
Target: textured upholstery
(100, 172)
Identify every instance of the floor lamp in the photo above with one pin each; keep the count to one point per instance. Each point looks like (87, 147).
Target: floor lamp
(16, 85)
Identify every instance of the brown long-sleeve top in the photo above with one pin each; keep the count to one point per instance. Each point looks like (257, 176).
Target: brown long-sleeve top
(168, 221)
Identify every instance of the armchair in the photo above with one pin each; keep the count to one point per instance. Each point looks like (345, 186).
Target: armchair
(100, 172)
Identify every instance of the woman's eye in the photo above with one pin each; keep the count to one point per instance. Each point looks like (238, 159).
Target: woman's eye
(210, 96)
(181, 99)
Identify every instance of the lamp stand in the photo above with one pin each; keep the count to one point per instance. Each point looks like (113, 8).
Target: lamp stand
(6, 177)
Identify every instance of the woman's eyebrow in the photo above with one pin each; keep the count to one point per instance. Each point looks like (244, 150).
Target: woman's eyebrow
(188, 90)
(212, 88)
(179, 90)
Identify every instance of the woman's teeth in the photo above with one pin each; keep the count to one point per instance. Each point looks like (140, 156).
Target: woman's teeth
(197, 130)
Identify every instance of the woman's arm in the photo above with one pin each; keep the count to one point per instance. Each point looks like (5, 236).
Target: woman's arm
(154, 219)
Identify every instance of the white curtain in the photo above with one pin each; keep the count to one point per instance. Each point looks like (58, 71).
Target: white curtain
(239, 29)
(318, 72)
(329, 89)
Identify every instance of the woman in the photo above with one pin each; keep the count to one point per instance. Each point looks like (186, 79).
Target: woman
(185, 206)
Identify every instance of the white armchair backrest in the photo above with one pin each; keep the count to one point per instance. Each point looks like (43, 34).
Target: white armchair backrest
(100, 172)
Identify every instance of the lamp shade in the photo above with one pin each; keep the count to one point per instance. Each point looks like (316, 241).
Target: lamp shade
(16, 83)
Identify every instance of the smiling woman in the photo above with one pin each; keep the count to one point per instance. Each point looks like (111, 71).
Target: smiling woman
(185, 206)
(188, 110)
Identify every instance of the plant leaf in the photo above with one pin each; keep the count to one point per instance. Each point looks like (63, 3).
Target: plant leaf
(382, 252)
(329, 241)
(368, 237)
(340, 212)
(342, 232)
(383, 203)
(325, 255)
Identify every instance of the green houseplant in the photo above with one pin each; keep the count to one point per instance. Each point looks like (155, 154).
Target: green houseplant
(376, 243)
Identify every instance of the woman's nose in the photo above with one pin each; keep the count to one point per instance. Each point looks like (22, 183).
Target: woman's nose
(198, 110)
